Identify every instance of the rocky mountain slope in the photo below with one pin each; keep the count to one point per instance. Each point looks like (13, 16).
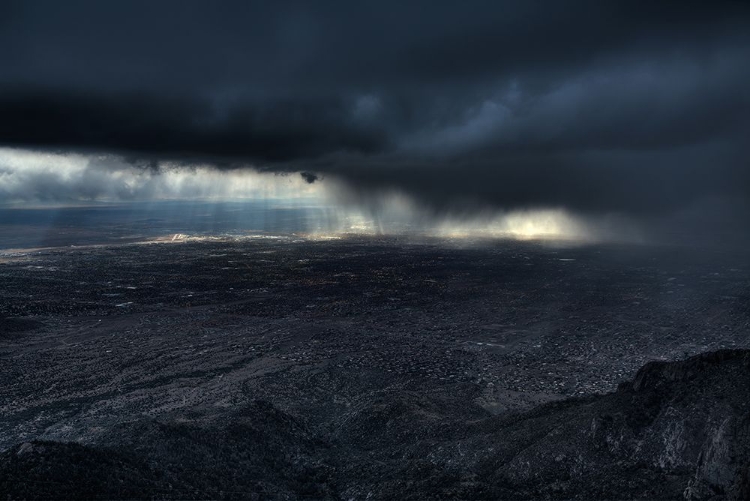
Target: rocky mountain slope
(678, 430)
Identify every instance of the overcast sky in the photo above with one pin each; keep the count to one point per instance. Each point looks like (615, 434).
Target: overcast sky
(640, 108)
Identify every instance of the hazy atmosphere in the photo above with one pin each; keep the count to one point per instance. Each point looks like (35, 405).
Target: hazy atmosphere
(281, 250)
(631, 109)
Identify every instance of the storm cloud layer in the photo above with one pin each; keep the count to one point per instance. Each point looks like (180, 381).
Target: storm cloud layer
(632, 107)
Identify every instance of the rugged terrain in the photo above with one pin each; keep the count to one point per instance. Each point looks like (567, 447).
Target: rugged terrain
(678, 429)
(373, 367)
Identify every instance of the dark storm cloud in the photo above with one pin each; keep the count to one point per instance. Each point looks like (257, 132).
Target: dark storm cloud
(310, 177)
(147, 124)
(597, 106)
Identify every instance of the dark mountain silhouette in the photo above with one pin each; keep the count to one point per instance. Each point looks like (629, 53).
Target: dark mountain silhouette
(678, 430)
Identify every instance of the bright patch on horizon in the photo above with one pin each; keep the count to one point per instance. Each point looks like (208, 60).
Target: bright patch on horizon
(328, 207)
(523, 225)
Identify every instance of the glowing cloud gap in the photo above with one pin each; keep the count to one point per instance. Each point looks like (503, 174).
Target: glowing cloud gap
(328, 206)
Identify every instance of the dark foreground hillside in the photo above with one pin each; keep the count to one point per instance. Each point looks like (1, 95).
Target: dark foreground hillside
(678, 430)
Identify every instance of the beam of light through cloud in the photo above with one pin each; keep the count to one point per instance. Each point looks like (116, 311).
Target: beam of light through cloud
(33, 176)
(329, 208)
